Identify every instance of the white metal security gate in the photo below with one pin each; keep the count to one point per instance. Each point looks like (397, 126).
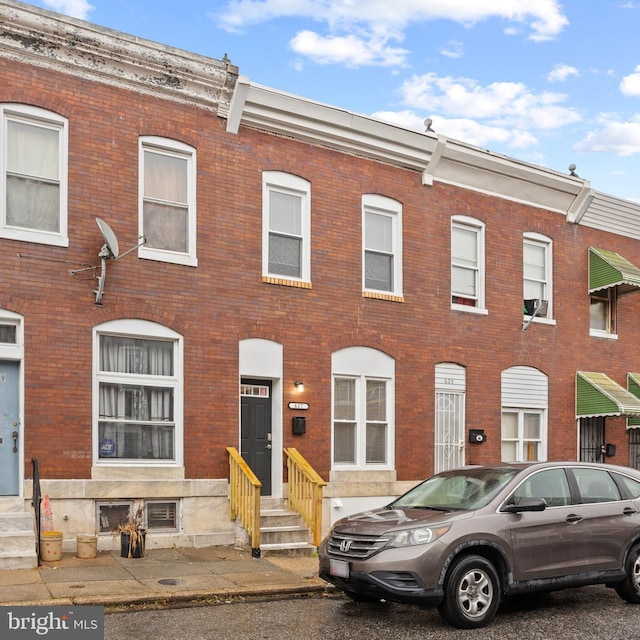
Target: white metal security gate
(449, 419)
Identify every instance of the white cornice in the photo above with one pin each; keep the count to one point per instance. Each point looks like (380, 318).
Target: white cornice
(50, 40)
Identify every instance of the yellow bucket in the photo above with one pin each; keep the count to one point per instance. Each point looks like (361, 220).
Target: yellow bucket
(51, 545)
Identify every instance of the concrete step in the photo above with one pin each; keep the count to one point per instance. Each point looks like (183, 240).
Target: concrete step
(288, 549)
(17, 541)
(282, 535)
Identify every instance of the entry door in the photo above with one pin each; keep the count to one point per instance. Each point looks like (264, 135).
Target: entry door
(9, 429)
(255, 431)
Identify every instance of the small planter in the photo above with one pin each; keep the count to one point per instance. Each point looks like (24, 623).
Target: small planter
(132, 544)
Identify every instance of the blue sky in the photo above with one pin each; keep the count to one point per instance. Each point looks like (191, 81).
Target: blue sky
(548, 82)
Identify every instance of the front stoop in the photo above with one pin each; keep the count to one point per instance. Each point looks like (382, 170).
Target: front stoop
(17, 537)
(283, 532)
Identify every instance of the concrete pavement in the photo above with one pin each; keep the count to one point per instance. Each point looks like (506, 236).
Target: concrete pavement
(163, 576)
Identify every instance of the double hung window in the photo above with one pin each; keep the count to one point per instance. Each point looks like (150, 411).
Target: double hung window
(167, 219)
(467, 263)
(286, 227)
(33, 164)
(382, 244)
(536, 269)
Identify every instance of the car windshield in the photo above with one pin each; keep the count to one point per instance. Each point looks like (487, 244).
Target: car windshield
(460, 489)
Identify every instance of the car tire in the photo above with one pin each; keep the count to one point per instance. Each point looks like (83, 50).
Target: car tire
(629, 588)
(471, 593)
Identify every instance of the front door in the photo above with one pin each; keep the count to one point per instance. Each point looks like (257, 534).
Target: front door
(255, 431)
(9, 429)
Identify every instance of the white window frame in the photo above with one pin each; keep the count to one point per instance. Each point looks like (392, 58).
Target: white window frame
(151, 331)
(520, 441)
(362, 364)
(183, 151)
(609, 297)
(383, 206)
(289, 184)
(478, 227)
(545, 243)
(35, 116)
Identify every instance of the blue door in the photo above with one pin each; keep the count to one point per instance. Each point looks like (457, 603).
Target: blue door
(9, 429)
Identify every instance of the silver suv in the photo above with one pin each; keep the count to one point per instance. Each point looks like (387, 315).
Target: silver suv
(466, 538)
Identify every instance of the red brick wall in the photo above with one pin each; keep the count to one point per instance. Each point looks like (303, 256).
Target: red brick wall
(223, 300)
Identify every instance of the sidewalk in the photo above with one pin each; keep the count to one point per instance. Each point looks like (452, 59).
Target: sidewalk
(162, 576)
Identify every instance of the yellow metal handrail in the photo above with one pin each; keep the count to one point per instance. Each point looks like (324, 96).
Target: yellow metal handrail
(305, 492)
(244, 498)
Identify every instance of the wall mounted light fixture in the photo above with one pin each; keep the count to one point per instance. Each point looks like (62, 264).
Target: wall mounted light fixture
(299, 386)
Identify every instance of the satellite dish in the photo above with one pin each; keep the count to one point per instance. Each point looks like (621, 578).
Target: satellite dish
(110, 240)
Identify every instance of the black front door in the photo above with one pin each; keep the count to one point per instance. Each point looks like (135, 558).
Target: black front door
(255, 431)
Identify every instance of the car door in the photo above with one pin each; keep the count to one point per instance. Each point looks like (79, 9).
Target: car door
(549, 543)
(609, 520)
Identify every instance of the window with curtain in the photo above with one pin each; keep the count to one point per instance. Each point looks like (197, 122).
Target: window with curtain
(536, 269)
(602, 312)
(286, 226)
(360, 424)
(467, 262)
(382, 250)
(522, 436)
(136, 398)
(167, 187)
(34, 145)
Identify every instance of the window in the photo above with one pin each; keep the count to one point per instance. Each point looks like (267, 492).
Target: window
(167, 193)
(552, 485)
(161, 515)
(537, 270)
(33, 164)
(382, 244)
(362, 409)
(467, 263)
(158, 515)
(524, 414)
(602, 312)
(138, 394)
(110, 514)
(596, 485)
(286, 227)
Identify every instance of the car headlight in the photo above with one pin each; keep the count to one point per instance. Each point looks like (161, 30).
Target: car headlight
(413, 537)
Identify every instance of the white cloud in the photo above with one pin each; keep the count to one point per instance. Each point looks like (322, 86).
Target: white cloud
(350, 50)
(630, 85)
(613, 136)
(471, 131)
(453, 49)
(561, 72)
(74, 8)
(499, 104)
(368, 26)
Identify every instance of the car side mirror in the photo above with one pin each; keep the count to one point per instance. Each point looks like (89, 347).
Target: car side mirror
(525, 504)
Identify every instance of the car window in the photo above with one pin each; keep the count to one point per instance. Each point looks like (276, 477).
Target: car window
(595, 485)
(552, 485)
(633, 486)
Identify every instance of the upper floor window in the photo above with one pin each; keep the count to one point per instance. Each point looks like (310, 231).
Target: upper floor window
(286, 226)
(467, 263)
(363, 409)
(138, 393)
(167, 196)
(382, 244)
(537, 271)
(602, 312)
(33, 165)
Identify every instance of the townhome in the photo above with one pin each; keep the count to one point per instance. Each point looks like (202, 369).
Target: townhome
(192, 263)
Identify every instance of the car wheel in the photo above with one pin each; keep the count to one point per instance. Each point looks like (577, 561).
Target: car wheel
(471, 593)
(629, 588)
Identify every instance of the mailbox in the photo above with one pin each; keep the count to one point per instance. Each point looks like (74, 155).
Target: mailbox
(298, 425)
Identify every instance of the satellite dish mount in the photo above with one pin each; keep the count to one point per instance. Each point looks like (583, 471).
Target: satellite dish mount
(110, 249)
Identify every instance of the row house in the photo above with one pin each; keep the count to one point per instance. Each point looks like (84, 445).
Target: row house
(191, 263)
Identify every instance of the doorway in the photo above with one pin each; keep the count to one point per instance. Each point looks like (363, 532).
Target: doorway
(9, 428)
(256, 436)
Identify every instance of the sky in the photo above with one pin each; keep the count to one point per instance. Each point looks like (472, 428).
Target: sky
(547, 82)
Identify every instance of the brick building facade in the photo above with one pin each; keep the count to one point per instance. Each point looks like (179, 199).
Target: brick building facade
(423, 290)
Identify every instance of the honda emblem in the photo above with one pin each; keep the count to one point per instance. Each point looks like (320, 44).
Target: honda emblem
(345, 545)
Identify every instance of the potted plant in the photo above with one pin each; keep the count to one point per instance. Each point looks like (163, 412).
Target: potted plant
(132, 533)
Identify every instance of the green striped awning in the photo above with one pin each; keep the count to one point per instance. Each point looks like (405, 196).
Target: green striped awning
(598, 395)
(633, 385)
(609, 269)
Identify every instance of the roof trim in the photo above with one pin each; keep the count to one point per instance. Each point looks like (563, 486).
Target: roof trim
(598, 395)
(609, 269)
